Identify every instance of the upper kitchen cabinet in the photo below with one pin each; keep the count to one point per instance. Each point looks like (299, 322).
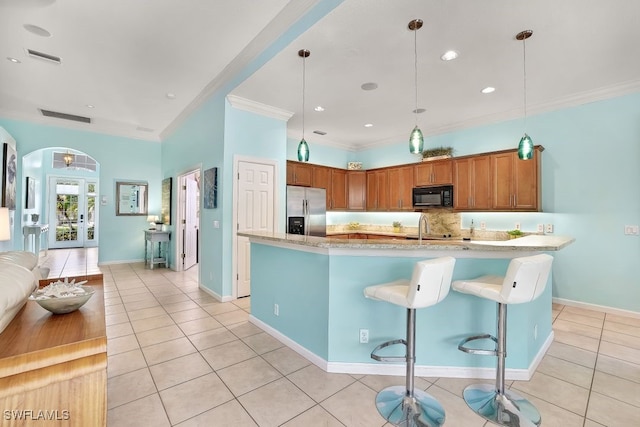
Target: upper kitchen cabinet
(516, 183)
(299, 174)
(378, 190)
(321, 178)
(357, 189)
(434, 172)
(400, 188)
(339, 190)
(472, 183)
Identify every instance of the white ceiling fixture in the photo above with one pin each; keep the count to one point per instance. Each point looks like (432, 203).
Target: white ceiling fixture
(14, 60)
(449, 55)
(368, 125)
(369, 86)
(319, 108)
(488, 89)
(38, 31)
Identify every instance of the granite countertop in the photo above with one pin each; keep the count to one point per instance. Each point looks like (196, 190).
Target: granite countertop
(524, 244)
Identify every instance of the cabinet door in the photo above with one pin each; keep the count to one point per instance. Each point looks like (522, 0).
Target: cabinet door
(372, 191)
(502, 168)
(422, 174)
(338, 189)
(400, 188)
(526, 184)
(462, 172)
(357, 183)
(321, 178)
(481, 183)
(299, 174)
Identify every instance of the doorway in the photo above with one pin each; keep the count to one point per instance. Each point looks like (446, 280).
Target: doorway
(188, 241)
(72, 212)
(254, 210)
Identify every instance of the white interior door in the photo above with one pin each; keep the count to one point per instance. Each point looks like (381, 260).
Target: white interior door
(191, 224)
(255, 212)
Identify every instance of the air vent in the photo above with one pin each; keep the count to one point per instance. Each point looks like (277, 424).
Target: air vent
(319, 132)
(44, 56)
(57, 115)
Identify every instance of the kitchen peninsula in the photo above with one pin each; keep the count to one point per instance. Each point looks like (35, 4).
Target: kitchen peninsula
(308, 292)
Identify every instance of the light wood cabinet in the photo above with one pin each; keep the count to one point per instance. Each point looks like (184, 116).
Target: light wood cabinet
(299, 174)
(378, 190)
(472, 183)
(515, 182)
(357, 189)
(436, 172)
(401, 188)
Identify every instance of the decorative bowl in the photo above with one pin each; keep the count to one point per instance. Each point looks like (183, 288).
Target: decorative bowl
(65, 304)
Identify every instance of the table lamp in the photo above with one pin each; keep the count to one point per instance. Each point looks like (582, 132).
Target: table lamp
(5, 227)
(152, 220)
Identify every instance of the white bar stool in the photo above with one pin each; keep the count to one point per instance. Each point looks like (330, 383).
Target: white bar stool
(429, 284)
(525, 280)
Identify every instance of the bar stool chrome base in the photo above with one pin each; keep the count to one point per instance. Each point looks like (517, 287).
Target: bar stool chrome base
(419, 410)
(507, 409)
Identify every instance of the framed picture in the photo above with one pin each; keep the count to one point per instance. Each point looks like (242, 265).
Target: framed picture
(9, 172)
(165, 212)
(31, 193)
(210, 188)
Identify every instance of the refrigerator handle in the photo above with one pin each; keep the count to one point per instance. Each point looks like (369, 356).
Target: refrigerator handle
(305, 212)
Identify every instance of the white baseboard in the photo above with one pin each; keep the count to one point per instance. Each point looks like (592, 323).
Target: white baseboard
(126, 261)
(400, 369)
(596, 307)
(215, 295)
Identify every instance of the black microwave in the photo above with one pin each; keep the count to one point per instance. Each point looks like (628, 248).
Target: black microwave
(433, 197)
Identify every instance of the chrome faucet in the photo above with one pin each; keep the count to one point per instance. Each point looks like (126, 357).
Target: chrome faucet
(423, 224)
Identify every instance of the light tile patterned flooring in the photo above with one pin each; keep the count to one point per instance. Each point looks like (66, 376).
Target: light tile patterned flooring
(178, 357)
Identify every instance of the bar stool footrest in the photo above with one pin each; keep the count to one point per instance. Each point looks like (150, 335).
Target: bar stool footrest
(374, 356)
(480, 351)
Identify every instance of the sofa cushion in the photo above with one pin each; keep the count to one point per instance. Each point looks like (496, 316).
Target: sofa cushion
(16, 284)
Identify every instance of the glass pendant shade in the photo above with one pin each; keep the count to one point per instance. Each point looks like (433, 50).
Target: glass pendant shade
(303, 151)
(416, 141)
(525, 148)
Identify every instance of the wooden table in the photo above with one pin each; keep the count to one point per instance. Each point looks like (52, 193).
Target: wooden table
(53, 368)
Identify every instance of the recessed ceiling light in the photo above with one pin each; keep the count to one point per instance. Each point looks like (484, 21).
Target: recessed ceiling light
(369, 125)
(418, 111)
(38, 31)
(488, 89)
(14, 60)
(171, 95)
(369, 86)
(449, 55)
(319, 108)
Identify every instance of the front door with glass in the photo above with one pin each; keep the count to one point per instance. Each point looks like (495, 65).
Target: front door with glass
(72, 212)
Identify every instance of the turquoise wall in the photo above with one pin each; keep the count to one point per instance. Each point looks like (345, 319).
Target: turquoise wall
(589, 191)
(320, 154)
(121, 159)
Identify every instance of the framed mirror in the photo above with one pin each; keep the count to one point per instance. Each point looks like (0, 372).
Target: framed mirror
(131, 198)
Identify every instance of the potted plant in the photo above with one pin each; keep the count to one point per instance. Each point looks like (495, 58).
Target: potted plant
(397, 226)
(514, 234)
(437, 153)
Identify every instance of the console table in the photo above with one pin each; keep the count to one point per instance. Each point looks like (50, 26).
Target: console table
(35, 230)
(162, 239)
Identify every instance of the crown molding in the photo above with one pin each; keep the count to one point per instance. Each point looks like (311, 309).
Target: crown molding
(258, 108)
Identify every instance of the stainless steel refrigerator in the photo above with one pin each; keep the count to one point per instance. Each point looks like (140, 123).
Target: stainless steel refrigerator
(306, 211)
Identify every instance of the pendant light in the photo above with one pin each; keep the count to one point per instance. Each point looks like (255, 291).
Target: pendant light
(525, 147)
(303, 147)
(68, 158)
(416, 140)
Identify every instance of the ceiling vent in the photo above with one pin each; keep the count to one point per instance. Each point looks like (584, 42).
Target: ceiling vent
(44, 56)
(72, 117)
(319, 132)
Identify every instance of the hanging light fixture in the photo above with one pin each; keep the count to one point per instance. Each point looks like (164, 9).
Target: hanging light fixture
(303, 147)
(525, 147)
(416, 140)
(68, 158)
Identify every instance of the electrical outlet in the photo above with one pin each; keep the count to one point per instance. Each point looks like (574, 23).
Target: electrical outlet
(631, 230)
(364, 336)
(216, 224)
(483, 225)
(276, 309)
(517, 226)
(540, 228)
(548, 228)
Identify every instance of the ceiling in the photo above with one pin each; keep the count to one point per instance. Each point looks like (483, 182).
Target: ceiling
(123, 57)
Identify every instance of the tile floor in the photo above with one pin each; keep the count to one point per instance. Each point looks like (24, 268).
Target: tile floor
(177, 357)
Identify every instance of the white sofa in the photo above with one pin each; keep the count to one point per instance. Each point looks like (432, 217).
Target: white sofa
(19, 276)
